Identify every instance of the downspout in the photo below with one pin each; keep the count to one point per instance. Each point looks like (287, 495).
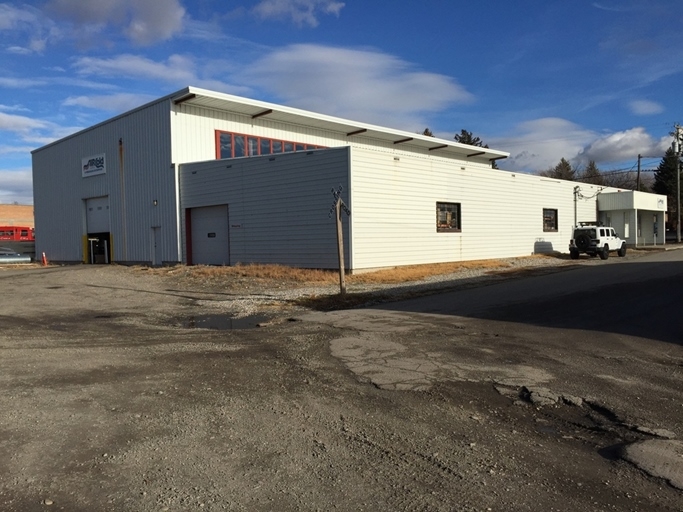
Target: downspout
(124, 234)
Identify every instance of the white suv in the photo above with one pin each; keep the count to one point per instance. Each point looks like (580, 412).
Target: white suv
(595, 240)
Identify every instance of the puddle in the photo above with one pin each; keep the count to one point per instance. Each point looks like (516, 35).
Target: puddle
(224, 322)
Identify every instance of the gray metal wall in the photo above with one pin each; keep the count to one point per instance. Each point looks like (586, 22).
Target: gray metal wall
(135, 177)
(278, 204)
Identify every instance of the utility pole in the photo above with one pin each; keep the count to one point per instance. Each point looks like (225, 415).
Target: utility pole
(638, 178)
(677, 151)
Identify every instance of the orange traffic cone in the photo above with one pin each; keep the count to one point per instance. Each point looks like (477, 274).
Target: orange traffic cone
(44, 260)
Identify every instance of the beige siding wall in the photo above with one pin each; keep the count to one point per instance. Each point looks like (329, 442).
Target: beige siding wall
(394, 211)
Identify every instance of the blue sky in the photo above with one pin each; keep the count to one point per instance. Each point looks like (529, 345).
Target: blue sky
(541, 79)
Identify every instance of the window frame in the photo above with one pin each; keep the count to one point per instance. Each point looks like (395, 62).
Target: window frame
(457, 207)
(260, 143)
(546, 227)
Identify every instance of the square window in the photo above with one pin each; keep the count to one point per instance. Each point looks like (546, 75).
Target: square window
(549, 219)
(448, 217)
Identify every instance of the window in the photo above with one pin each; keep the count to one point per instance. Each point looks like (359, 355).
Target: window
(235, 145)
(549, 219)
(448, 217)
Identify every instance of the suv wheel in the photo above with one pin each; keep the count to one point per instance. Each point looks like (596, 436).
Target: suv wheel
(604, 254)
(622, 251)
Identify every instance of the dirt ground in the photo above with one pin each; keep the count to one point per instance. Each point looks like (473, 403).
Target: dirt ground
(113, 396)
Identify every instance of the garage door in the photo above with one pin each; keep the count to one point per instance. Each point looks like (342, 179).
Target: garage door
(210, 235)
(97, 214)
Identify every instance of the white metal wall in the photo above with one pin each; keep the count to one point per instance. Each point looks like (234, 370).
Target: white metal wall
(138, 173)
(394, 211)
(194, 134)
(279, 205)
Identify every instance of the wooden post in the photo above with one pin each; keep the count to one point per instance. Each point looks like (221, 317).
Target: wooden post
(340, 247)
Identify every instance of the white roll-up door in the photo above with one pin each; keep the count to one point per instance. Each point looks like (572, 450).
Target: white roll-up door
(210, 235)
(97, 214)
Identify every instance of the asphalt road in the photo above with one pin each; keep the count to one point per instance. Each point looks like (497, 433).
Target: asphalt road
(640, 297)
(609, 334)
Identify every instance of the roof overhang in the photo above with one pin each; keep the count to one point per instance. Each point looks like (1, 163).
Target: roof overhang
(348, 129)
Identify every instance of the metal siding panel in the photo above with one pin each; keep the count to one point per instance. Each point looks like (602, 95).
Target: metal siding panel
(278, 205)
(60, 190)
(395, 208)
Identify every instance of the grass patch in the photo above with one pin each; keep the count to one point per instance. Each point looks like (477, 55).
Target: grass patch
(302, 276)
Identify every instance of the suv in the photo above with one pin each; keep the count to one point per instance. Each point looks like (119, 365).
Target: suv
(595, 240)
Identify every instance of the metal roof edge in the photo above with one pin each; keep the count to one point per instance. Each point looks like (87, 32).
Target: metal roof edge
(495, 154)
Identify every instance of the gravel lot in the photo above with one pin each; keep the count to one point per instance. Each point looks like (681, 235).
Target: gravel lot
(115, 396)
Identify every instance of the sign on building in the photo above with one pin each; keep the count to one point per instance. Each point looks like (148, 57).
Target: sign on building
(93, 165)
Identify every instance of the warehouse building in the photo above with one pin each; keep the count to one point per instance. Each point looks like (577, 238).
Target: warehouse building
(201, 177)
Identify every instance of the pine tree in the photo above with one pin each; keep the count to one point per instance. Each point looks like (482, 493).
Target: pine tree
(465, 137)
(665, 176)
(666, 182)
(591, 174)
(562, 171)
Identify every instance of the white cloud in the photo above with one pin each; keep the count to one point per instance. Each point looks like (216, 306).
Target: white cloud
(32, 131)
(624, 145)
(20, 124)
(302, 12)
(20, 83)
(143, 21)
(645, 107)
(11, 150)
(13, 108)
(178, 70)
(16, 185)
(31, 23)
(539, 144)
(14, 18)
(366, 85)
(112, 102)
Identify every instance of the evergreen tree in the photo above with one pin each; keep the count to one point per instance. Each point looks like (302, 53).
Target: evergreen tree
(465, 137)
(666, 181)
(591, 174)
(428, 132)
(665, 176)
(562, 171)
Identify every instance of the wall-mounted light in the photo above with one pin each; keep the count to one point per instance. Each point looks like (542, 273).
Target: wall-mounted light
(397, 159)
(155, 202)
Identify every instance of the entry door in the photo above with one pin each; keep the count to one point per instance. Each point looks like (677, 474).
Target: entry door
(156, 246)
(210, 235)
